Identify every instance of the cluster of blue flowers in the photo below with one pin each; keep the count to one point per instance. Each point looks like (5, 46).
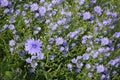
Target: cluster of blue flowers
(48, 29)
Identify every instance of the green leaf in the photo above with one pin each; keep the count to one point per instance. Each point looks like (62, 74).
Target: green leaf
(8, 74)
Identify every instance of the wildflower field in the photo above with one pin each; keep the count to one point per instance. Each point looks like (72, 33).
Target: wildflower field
(59, 39)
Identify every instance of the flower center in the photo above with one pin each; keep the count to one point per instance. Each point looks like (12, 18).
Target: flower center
(34, 45)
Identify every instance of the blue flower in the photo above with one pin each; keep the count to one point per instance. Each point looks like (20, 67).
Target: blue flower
(28, 60)
(89, 75)
(26, 6)
(85, 56)
(5, 26)
(62, 49)
(4, 3)
(34, 7)
(98, 9)
(86, 15)
(81, 2)
(95, 54)
(69, 66)
(22, 53)
(41, 1)
(100, 68)
(11, 50)
(114, 14)
(68, 14)
(59, 41)
(33, 46)
(42, 10)
(11, 42)
(40, 56)
(93, 1)
(11, 27)
(32, 70)
(51, 40)
(88, 66)
(74, 60)
(114, 72)
(103, 77)
(79, 65)
(51, 57)
(34, 64)
(117, 34)
(112, 62)
(118, 45)
(104, 41)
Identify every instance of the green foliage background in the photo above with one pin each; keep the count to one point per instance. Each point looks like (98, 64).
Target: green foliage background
(13, 68)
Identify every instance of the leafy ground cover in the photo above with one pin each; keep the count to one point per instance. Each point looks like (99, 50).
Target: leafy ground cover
(59, 40)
